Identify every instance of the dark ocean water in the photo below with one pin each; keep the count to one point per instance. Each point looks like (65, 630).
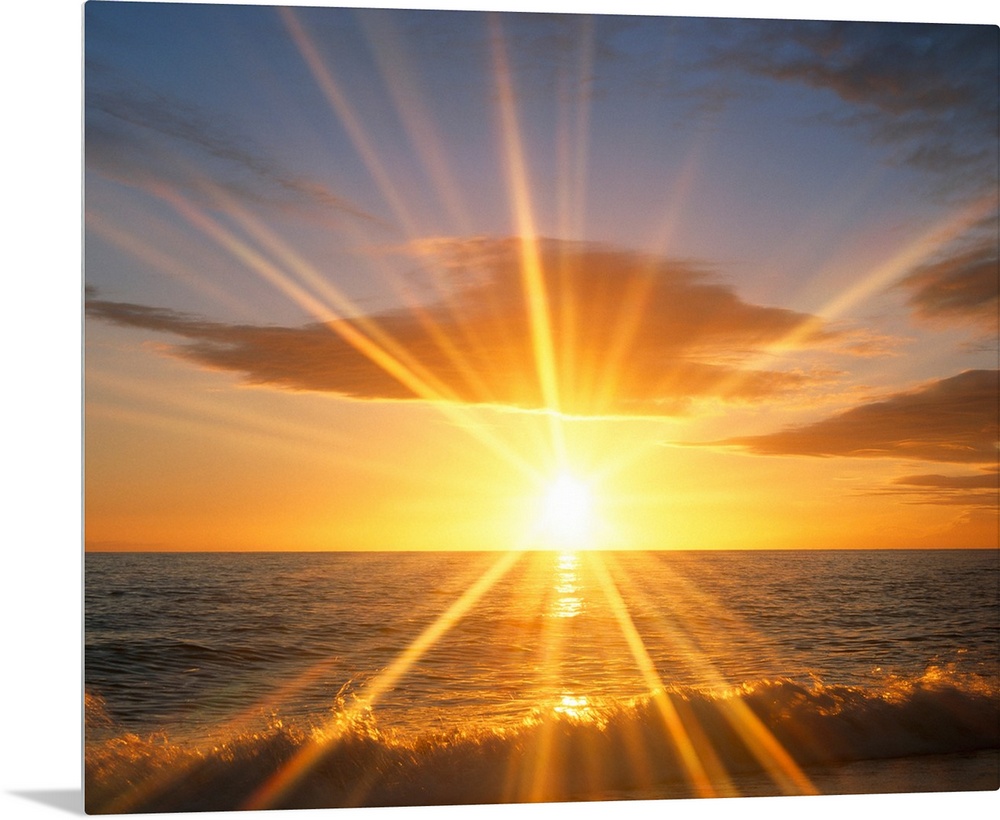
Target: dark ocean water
(271, 679)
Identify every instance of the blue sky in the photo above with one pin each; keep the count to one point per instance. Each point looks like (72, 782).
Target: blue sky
(680, 116)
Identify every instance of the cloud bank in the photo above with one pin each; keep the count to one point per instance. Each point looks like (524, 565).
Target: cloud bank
(950, 420)
(631, 334)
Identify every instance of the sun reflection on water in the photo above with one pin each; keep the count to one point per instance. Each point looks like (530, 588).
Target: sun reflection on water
(568, 602)
(576, 707)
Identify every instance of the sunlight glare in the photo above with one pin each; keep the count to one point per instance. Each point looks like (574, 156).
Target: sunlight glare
(576, 708)
(567, 512)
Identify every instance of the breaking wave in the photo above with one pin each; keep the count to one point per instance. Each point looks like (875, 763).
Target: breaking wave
(609, 751)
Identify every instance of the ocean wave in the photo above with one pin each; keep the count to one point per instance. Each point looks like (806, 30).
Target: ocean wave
(765, 737)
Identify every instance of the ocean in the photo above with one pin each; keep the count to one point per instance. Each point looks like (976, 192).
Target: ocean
(284, 680)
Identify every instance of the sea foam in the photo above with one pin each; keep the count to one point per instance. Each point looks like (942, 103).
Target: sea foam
(764, 737)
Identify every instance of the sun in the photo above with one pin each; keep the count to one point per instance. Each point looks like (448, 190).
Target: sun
(567, 516)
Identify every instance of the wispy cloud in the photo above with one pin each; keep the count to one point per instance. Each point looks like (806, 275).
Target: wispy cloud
(929, 90)
(975, 481)
(970, 491)
(138, 136)
(962, 288)
(632, 334)
(980, 490)
(949, 420)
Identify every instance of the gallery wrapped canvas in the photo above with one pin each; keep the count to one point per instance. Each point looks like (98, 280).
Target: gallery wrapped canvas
(503, 407)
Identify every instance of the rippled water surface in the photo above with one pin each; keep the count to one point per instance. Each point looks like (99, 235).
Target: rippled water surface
(193, 642)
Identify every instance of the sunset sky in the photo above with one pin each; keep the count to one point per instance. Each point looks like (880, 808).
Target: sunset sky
(390, 280)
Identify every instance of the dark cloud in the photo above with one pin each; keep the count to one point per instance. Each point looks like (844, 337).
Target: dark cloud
(140, 136)
(930, 90)
(961, 288)
(312, 357)
(951, 420)
(631, 334)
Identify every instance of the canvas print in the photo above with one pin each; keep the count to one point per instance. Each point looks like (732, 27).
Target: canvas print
(491, 408)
